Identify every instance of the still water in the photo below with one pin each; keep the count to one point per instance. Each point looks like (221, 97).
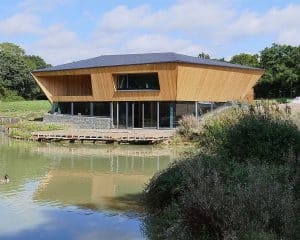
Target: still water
(74, 191)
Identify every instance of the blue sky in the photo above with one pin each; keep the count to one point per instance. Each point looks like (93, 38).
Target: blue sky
(67, 30)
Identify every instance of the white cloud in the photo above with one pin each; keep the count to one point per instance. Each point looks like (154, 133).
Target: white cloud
(158, 43)
(186, 26)
(283, 23)
(41, 6)
(20, 23)
(184, 15)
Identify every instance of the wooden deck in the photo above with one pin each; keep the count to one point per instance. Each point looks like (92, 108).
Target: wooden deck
(107, 136)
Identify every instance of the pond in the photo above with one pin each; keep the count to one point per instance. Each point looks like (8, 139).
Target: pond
(71, 191)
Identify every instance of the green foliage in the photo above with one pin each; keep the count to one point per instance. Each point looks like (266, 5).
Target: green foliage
(204, 55)
(24, 129)
(24, 109)
(11, 48)
(281, 79)
(256, 136)
(246, 59)
(232, 189)
(15, 69)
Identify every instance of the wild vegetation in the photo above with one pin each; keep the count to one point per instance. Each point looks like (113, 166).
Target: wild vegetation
(241, 183)
(16, 83)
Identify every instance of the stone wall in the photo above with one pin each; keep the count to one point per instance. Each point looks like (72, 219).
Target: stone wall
(79, 121)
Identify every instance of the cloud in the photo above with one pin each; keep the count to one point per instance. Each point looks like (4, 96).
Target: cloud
(42, 6)
(184, 15)
(185, 26)
(20, 23)
(283, 23)
(158, 43)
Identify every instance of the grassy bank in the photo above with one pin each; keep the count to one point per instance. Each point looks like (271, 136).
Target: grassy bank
(25, 128)
(30, 114)
(24, 109)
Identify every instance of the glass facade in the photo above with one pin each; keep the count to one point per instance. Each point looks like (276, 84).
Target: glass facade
(101, 109)
(82, 108)
(149, 114)
(63, 108)
(140, 81)
(184, 108)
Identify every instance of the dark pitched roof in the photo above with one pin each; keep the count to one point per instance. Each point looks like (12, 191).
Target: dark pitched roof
(137, 59)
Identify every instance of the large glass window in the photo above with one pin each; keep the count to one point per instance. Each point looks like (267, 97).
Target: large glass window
(150, 114)
(115, 114)
(122, 114)
(184, 108)
(101, 109)
(138, 81)
(82, 108)
(204, 107)
(164, 114)
(63, 108)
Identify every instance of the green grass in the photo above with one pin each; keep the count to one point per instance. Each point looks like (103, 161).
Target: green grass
(24, 129)
(24, 109)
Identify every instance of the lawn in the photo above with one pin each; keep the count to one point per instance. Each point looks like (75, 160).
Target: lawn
(24, 109)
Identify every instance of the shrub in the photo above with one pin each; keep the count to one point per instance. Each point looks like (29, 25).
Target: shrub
(188, 127)
(243, 184)
(255, 136)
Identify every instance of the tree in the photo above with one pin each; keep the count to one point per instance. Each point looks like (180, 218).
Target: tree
(204, 55)
(282, 76)
(246, 59)
(12, 48)
(15, 67)
(35, 62)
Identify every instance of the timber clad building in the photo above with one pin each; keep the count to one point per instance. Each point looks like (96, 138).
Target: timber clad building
(144, 90)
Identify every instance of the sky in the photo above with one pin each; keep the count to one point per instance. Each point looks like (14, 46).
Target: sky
(62, 31)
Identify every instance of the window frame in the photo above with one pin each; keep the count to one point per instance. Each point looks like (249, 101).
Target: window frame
(127, 89)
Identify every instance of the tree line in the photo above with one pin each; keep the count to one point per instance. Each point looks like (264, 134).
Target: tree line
(280, 62)
(282, 70)
(16, 81)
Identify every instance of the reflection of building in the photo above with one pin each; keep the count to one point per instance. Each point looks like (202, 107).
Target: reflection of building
(143, 90)
(107, 182)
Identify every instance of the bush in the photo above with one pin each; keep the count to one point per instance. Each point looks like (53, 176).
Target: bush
(188, 127)
(253, 136)
(244, 183)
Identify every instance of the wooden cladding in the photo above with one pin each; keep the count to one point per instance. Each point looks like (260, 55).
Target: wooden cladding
(177, 81)
(199, 83)
(69, 85)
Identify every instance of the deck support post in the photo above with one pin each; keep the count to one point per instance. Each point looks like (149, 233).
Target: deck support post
(126, 112)
(157, 124)
(132, 116)
(143, 115)
(111, 115)
(196, 110)
(171, 115)
(72, 108)
(117, 114)
(91, 109)
(52, 107)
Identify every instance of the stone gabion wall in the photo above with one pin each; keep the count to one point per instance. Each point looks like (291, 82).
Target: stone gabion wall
(79, 121)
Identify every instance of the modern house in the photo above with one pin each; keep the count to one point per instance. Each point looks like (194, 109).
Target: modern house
(150, 90)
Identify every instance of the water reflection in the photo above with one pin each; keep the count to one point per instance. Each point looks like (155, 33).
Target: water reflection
(87, 187)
